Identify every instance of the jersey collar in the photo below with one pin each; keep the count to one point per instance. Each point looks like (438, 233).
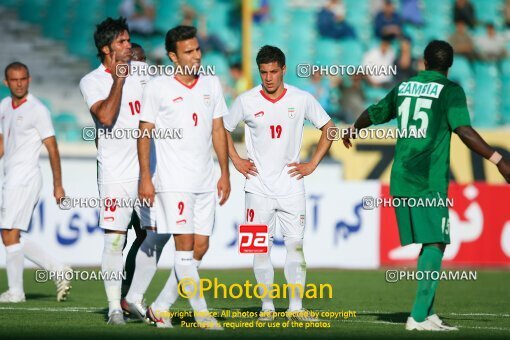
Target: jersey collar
(188, 86)
(271, 99)
(14, 107)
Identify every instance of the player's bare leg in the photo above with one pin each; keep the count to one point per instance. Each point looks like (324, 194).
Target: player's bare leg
(112, 263)
(14, 266)
(422, 315)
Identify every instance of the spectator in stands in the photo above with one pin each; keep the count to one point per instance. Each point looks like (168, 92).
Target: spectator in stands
(260, 11)
(462, 42)
(320, 89)
(411, 12)
(208, 42)
(140, 16)
(506, 14)
(388, 23)
(138, 53)
(331, 21)
(382, 55)
(490, 47)
(407, 65)
(464, 11)
(352, 100)
(239, 81)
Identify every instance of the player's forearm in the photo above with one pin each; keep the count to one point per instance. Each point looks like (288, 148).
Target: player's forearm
(54, 155)
(144, 150)
(1, 146)
(232, 152)
(109, 108)
(363, 121)
(221, 148)
(474, 141)
(323, 145)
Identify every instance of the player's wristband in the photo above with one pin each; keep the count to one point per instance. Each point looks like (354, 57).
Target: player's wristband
(495, 158)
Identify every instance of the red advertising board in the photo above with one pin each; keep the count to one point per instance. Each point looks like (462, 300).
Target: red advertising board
(479, 228)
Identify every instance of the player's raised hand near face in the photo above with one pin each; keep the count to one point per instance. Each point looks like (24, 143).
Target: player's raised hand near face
(504, 169)
(146, 191)
(301, 169)
(223, 188)
(245, 167)
(118, 69)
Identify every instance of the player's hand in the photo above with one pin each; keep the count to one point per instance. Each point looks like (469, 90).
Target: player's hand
(118, 69)
(301, 169)
(346, 138)
(504, 169)
(146, 191)
(245, 167)
(223, 188)
(58, 193)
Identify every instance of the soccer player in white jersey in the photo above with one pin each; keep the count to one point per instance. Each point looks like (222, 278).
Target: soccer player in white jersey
(274, 114)
(114, 98)
(184, 191)
(25, 127)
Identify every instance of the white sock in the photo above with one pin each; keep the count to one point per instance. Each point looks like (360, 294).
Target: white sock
(264, 273)
(14, 266)
(184, 268)
(38, 255)
(169, 294)
(113, 263)
(295, 272)
(147, 260)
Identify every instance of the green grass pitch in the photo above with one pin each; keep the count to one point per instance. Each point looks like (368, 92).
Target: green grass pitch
(479, 308)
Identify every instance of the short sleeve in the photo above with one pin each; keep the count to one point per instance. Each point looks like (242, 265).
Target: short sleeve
(91, 91)
(220, 107)
(43, 124)
(456, 107)
(150, 103)
(315, 113)
(235, 115)
(385, 110)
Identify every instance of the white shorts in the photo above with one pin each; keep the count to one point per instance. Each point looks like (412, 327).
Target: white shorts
(185, 212)
(290, 212)
(18, 204)
(119, 217)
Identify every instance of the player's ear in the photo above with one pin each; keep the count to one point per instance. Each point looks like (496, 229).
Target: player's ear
(29, 80)
(284, 69)
(105, 49)
(173, 57)
(6, 83)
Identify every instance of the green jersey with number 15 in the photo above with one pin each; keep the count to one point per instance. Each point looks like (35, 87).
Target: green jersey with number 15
(433, 107)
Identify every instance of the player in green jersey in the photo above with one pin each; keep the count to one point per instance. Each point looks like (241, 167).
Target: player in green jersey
(437, 106)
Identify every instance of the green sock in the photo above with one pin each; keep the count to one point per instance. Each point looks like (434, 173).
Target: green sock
(429, 260)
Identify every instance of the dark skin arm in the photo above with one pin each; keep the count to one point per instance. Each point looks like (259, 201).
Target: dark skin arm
(475, 142)
(362, 122)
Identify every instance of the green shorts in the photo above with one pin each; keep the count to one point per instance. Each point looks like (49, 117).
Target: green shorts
(423, 219)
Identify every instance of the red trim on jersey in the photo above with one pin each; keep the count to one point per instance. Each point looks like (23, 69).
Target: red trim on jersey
(188, 86)
(107, 70)
(271, 99)
(14, 107)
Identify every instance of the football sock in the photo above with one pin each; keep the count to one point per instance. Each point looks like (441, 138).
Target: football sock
(429, 260)
(14, 267)
(295, 272)
(38, 255)
(185, 269)
(264, 273)
(146, 264)
(112, 264)
(169, 294)
(130, 263)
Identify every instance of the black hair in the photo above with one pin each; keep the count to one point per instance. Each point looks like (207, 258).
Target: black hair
(135, 45)
(16, 66)
(107, 31)
(268, 54)
(439, 55)
(178, 33)
(237, 66)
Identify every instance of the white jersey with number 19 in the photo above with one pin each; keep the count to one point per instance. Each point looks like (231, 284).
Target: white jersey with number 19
(273, 133)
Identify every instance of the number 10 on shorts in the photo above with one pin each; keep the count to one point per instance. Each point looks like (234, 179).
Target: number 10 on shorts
(253, 239)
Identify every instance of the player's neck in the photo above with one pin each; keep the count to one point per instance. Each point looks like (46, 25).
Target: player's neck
(18, 101)
(276, 94)
(186, 79)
